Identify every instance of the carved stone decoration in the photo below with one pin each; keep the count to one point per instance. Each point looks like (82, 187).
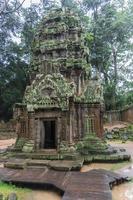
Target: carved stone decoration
(51, 91)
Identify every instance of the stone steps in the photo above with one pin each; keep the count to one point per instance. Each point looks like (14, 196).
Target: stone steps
(45, 155)
(113, 158)
(59, 165)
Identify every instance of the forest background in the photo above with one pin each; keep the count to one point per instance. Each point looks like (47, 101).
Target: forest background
(109, 36)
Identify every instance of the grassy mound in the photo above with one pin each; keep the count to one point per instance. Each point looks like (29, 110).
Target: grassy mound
(6, 189)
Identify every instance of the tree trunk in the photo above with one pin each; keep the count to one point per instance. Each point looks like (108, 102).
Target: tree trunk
(114, 52)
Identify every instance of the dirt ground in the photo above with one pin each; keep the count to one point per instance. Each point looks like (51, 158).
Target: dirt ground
(128, 146)
(5, 143)
(125, 191)
(126, 170)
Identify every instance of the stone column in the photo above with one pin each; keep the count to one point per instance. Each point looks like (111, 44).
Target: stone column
(37, 133)
(32, 125)
(58, 131)
(71, 125)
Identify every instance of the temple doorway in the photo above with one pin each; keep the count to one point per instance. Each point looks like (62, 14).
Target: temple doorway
(49, 134)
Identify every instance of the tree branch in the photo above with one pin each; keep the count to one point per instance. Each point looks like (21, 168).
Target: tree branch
(5, 3)
(14, 10)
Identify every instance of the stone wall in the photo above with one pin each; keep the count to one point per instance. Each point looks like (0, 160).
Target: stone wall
(112, 116)
(125, 114)
(7, 130)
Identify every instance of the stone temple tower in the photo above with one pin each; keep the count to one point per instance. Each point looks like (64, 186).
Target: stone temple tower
(63, 102)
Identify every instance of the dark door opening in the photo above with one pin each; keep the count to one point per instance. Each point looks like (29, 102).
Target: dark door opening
(49, 134)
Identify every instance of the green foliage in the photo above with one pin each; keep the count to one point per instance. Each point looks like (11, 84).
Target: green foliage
(12, 67)
(6, 189)
(13, 79)
(110, 46)
(124, 99)
(31, 18)
(14, 57)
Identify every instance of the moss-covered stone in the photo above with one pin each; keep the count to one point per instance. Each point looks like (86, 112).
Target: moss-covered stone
(28, 146)
(19, 143)
(91, 144)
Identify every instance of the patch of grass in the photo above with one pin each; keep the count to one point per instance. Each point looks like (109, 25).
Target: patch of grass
(131, 181)
(6, 189)
(120, 165)
(115, 141)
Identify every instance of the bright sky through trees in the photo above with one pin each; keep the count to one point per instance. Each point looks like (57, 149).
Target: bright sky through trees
(27, 3)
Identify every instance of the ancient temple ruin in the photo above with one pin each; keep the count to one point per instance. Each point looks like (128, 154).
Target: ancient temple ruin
(63, 103)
